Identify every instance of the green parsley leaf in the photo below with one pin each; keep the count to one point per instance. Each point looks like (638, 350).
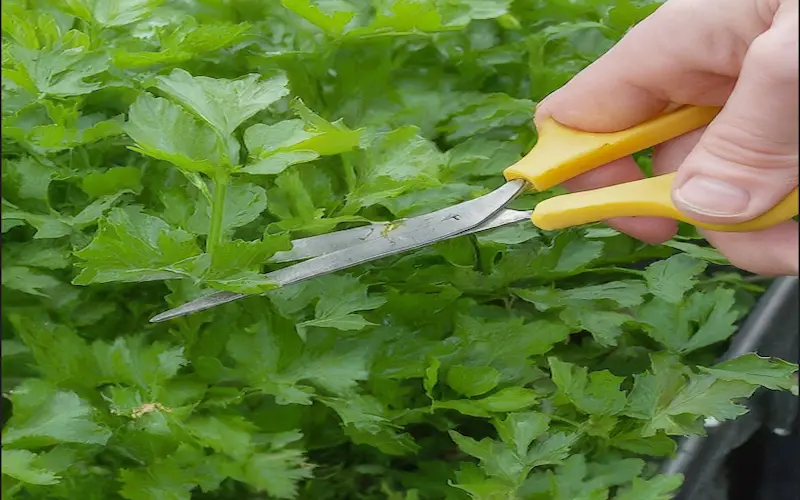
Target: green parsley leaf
(657, 445)
(118, 14)
(771, 373)
(223, 104)
(674, 401)
(165, 131)
(472, 381)
(273, 148)
(661, 487)
(112, 181)
(596, 393)
(84, 130)
(702, 319)
(47, 226)
(148, 367)
(331, 15)
(560, 360)
(58, 72)
(394, 162)
(622, 293)
(486, 113)
(505, 400)
(21, 465)
(236, 267)
(338, 299)
(44, 416)
(132, 246)
(605, 326)
(28, 280)
(277, 473)
(26, 179)
(670, 279)
(576, 479)
(521, 429)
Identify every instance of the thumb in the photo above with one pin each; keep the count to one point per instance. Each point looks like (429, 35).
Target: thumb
(746, 160)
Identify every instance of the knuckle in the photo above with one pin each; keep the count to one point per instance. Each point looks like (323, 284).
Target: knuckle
(774, 55)
(746, 146)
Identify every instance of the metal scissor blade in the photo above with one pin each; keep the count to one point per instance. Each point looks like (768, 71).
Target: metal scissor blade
(413, 233)
(320, 247)
(313, 246)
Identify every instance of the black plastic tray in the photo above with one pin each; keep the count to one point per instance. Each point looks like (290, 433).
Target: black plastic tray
(756, 456)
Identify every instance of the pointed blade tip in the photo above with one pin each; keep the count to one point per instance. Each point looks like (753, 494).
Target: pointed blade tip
(164, 316)
(197, 305)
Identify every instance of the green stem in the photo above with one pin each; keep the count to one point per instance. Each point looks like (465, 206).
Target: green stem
(14, 489)
(614, 269)
(215, 231)
(565, 420)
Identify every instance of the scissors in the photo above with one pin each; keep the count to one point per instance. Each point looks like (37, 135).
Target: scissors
(559, 154)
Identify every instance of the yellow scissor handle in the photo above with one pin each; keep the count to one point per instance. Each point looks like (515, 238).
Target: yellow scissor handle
(562, 153)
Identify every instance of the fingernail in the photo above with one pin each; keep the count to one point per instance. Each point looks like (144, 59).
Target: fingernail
(709, 196)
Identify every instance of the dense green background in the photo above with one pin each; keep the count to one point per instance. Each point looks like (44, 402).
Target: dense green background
(153, 150)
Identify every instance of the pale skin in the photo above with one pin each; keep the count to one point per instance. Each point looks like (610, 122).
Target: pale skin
(739, 54)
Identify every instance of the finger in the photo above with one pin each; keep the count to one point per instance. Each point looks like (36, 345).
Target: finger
(669, 156)
(746, 161)
(628, 85)
(771, 252)
(652, 67)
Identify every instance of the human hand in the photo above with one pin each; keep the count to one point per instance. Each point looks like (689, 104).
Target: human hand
(740, 54)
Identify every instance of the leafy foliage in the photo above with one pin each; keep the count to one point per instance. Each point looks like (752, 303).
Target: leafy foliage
(155, 150)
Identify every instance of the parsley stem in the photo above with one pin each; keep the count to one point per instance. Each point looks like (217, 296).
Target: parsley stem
(614, 269)
(565, 420)
(215, 233)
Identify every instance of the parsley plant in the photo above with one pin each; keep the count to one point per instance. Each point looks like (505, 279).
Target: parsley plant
(153, 150)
